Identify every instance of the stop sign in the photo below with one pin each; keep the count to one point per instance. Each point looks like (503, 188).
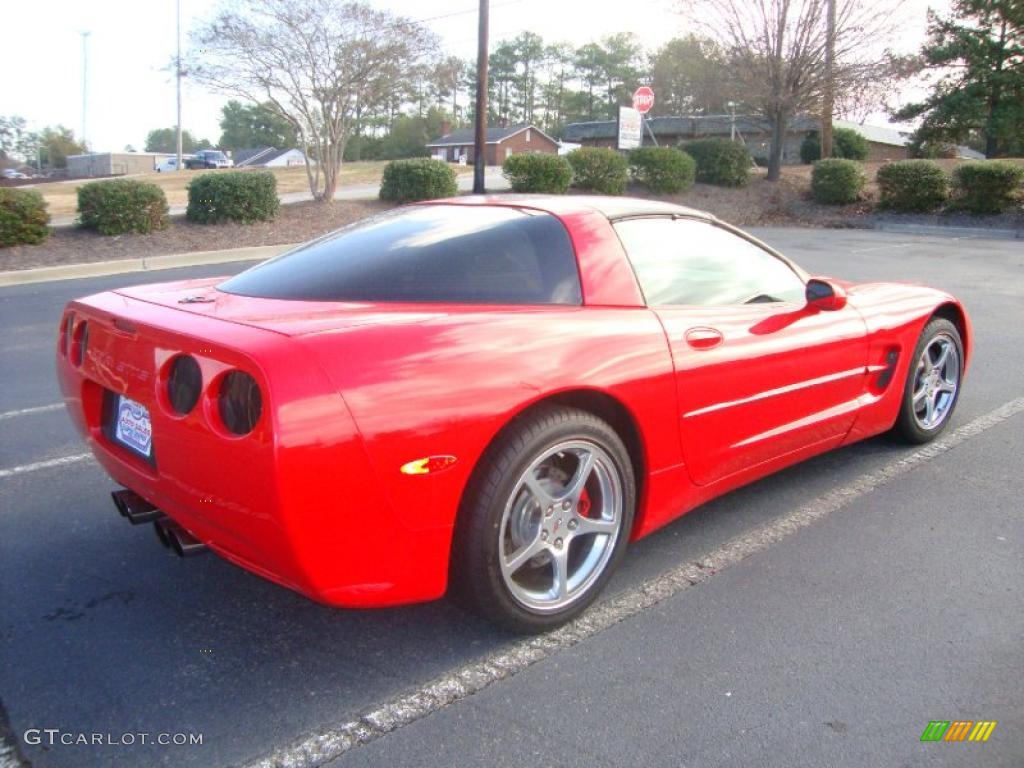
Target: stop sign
(643, 99)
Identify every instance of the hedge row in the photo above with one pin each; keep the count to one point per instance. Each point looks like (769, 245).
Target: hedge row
(23, 217)
(663, 170)
(125, 205)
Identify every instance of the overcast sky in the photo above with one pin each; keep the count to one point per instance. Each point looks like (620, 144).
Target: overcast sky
(131, 42)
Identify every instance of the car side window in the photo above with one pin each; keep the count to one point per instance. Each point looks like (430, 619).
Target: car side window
(691, 262)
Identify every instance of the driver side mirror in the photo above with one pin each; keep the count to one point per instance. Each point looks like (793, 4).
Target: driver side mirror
(825, 295)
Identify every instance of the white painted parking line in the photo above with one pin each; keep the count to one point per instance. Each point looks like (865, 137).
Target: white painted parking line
(30, 411)
(48, 464)
(318, 748)
(889, 247)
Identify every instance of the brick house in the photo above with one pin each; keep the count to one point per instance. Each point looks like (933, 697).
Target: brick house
(755, 132)
(883, 143)
(501, 142)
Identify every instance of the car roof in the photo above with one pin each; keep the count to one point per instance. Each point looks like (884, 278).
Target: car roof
(611, 207)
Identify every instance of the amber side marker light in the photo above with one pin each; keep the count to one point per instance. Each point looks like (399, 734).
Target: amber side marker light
(427, 465)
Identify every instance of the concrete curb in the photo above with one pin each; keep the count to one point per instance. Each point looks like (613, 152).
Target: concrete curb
(152, 263)
(942, 230)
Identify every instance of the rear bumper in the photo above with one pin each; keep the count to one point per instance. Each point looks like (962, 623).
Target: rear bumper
(296, 501)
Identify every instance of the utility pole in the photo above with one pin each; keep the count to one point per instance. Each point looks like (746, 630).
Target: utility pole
(828, 102)
(480, 142)
(177, 62)
(85, 82)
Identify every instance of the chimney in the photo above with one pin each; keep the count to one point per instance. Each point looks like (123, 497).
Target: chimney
(446, 128)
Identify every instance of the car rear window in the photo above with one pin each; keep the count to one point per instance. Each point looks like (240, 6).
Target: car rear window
(432, 253)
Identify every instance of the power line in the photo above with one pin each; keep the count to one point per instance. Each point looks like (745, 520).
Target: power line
(466, 12)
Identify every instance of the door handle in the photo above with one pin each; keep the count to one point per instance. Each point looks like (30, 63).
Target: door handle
(704, 338)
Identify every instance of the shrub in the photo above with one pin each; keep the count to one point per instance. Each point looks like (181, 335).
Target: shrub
(837, 181)
(537, 173)
(122, 205)
(598, 169)
(912, 185)
(986, 186)
(665, 170)
(846, 143)
(720, 161)
(23, 217)
(419, 179)
(242, 196)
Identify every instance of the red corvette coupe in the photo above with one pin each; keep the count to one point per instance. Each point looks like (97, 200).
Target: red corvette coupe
(498, 392)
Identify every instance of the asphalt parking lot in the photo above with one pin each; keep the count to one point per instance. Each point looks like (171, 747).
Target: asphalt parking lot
(898, 602)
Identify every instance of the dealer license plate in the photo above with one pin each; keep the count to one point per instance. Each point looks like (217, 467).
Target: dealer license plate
(132, 427)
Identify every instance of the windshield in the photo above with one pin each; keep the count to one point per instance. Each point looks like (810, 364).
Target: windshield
(435, 253)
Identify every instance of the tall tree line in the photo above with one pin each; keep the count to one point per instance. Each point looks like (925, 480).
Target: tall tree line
(550, 84)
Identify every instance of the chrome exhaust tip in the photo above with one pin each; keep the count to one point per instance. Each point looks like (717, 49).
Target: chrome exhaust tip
(134, 507)
(174, 537)
(162, 528)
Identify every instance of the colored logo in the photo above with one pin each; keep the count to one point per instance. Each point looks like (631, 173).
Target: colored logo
(958, 730)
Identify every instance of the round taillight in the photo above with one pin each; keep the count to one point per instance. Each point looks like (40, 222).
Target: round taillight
(184, 384)
(239, 402)
(79, 342)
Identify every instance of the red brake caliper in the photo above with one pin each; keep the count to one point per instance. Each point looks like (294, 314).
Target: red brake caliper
(583, 510)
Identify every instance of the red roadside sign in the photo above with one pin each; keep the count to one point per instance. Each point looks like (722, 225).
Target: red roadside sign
(643, 99)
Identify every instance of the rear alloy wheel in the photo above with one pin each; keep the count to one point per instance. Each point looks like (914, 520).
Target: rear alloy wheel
(546, 521)
(933, 382)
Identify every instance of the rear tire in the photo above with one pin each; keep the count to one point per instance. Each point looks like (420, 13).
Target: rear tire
(545, 520)
(932, 387)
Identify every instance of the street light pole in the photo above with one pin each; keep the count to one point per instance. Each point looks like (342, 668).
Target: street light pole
(480, 141)
(177, 67)
(85, 82)
(828, 102)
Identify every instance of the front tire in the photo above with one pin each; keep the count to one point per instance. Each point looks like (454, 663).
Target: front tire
(932, 388)
(545, 520)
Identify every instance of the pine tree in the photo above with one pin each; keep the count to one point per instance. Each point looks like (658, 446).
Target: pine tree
(978, 51)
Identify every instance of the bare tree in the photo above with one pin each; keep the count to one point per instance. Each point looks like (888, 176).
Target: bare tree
(776, 52)
(314, 63)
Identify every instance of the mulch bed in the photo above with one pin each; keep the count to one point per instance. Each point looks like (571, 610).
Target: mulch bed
(295, 223)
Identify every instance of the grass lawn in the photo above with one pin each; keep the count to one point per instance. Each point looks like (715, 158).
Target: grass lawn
(62, 196)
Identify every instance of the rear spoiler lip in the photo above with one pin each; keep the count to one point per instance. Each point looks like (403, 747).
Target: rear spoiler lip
(130, 297)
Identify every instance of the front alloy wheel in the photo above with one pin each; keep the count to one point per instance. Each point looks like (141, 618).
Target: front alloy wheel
(545, 520)
(936, 380)
(932, 386)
